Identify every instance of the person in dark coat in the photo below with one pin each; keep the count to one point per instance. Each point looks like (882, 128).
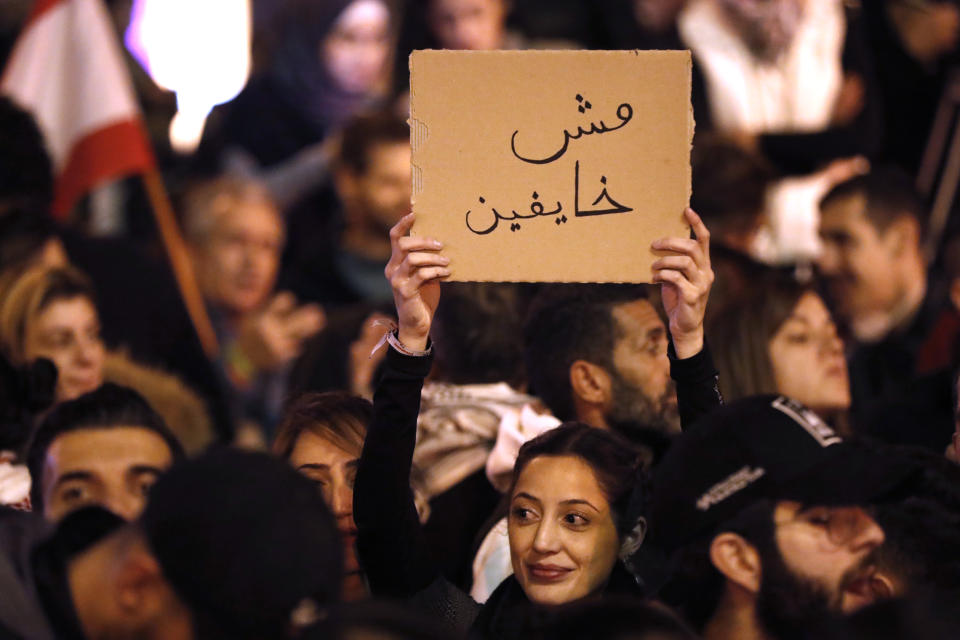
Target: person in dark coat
(570, 494)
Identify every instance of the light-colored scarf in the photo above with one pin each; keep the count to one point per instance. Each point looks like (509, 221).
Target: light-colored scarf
(766, 26)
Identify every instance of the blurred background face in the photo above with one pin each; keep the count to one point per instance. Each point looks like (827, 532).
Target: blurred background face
(808, 359)
(67, 331)
(929, 29)
(468, 24)
(357, 49)
(333, 469)
(113, 468)
(858, 262)
(657, 15)
(563, 540)
(237, 264)
(382, 193)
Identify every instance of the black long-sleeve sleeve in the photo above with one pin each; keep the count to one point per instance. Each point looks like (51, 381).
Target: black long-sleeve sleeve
(697, 390)
(392, 548)
(389, 536)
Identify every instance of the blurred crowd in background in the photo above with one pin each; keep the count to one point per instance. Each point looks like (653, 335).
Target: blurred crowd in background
(825, 297)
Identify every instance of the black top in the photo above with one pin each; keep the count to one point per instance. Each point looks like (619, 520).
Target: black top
(390, 539)
(698, 392)
(897, 397)
(909, 89)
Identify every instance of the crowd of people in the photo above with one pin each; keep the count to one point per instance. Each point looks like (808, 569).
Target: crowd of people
(762, 443)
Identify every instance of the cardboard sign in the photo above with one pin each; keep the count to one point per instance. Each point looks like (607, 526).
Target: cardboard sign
(550, 166)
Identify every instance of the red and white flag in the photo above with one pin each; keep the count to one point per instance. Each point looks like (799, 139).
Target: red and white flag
(67, 69)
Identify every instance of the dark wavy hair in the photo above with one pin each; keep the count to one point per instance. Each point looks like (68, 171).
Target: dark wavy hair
(615, 462)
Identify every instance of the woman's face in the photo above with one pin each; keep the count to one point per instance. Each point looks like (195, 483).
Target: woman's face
(356, 51)
(67, 331)
(807, 357)
(563, 540)
(476, 25)
(333, 469)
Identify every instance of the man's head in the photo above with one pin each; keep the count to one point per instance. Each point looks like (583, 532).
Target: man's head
(871, 227)
(107, 447)
(598, 354)
(231, 545)
(235, 234)
(783, 562)
(372, 171)
(761, 505)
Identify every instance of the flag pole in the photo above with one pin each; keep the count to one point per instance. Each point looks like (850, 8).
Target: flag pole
(180, 260)
(67, 54)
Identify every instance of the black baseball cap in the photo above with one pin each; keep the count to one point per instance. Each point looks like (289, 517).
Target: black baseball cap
(764, 447)
(246, 542)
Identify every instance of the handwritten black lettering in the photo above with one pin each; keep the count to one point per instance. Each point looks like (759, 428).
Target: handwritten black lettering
(483, 232)
(536, 210)
(624, 114)
(615, 207)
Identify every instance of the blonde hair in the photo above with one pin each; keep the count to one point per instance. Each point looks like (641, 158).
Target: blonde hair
(29, 295)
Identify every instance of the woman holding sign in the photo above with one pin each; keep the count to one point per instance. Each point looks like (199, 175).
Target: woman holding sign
(573, 489)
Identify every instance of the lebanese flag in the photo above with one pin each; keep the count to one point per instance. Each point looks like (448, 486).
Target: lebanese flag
(67, 69)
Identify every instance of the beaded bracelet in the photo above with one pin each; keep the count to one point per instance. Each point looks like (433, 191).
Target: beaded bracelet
(391, 337)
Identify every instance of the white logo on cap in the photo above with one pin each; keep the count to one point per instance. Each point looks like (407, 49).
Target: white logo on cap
(729, 486)
(807, 419)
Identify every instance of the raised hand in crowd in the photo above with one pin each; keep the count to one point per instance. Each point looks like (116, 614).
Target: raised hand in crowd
(686, 277)
(415, 270)
(273, 336)
(364, 355)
